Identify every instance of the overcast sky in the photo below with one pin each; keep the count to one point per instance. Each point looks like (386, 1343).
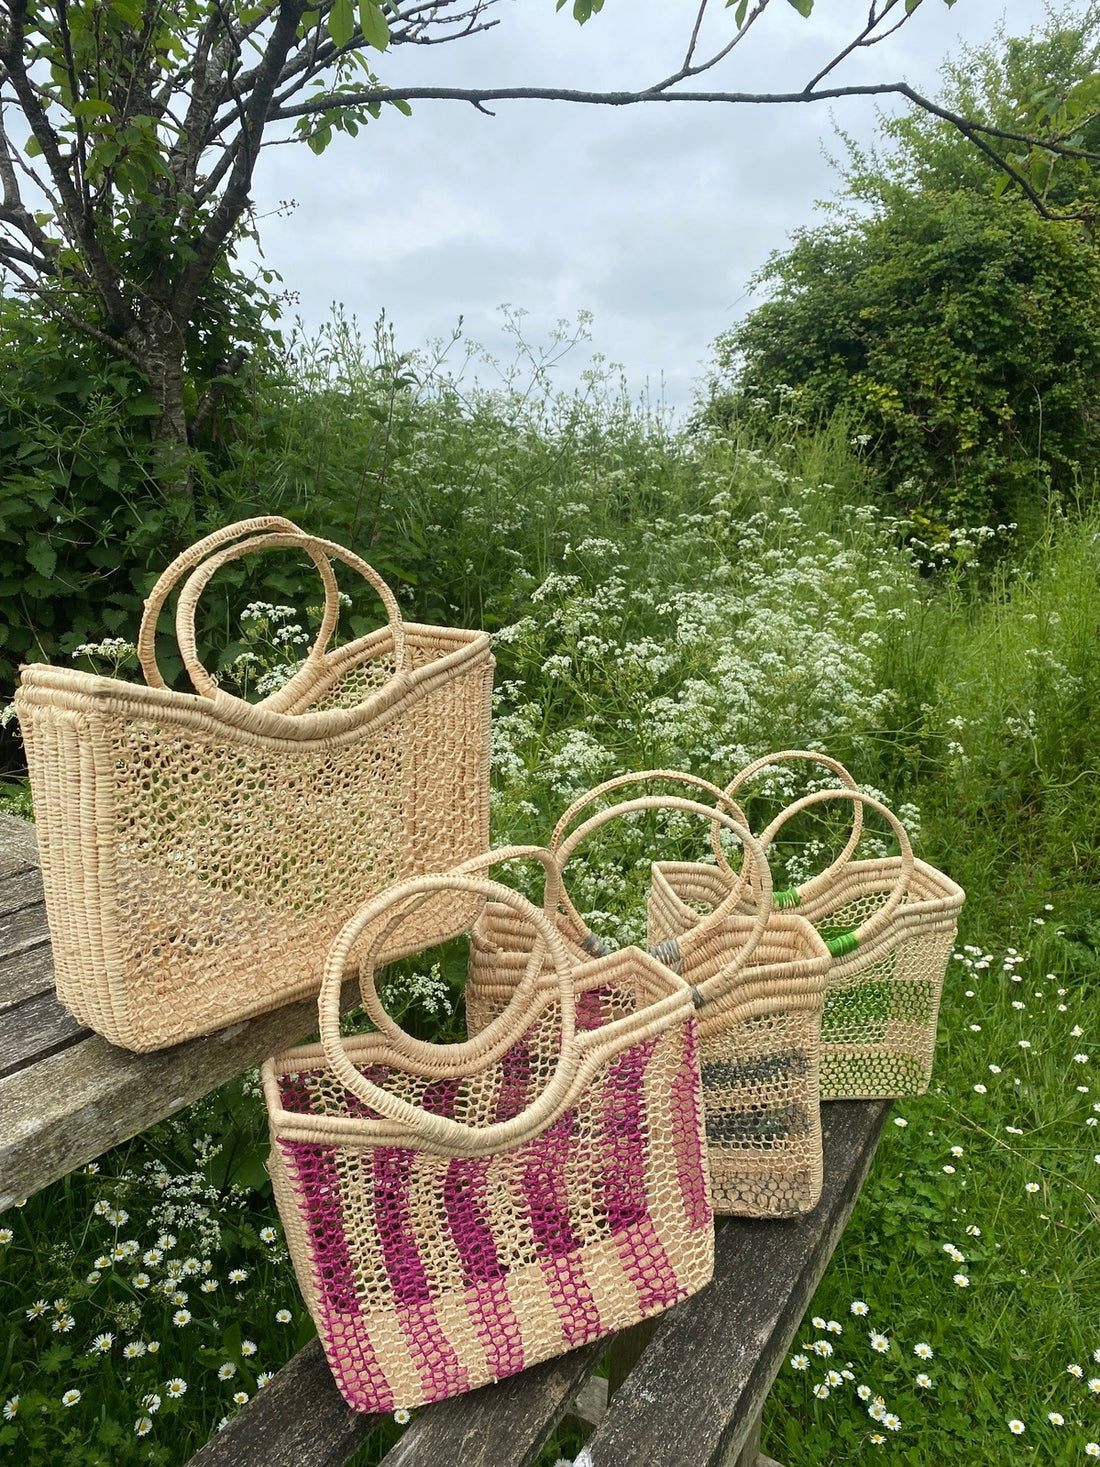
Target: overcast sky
(652, 218)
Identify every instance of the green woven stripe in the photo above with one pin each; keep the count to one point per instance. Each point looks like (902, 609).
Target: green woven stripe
(843, 942)
(789, 898)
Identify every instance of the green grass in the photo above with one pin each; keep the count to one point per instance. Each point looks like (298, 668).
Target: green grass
(684, 600)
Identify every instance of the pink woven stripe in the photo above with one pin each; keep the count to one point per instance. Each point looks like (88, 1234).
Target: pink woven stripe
(318, 1191)
(515, 1082)
(647, 1265)
(686, 1121)
(545, 1190)
(623, 1142)
(497, 1327)
(354, 1365)
(442, 1373)
(465, 1192)
(572, 1298)
(393, 1172)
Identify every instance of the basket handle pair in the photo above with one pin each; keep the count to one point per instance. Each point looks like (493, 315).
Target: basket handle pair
(203, 559)
(441, 1133)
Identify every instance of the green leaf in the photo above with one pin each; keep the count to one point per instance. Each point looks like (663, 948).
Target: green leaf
(42, 556)
(402, 106)
(372, 23)
(341, 22)
(32, 148)
(92, 107)
(804, 7)
(740, 13)
(910, 6)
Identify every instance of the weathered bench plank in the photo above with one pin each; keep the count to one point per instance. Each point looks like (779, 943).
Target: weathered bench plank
(18, 844)
(726, 1344)
(299, 1420)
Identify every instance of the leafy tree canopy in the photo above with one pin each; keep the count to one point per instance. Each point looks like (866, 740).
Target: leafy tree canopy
(956, 328)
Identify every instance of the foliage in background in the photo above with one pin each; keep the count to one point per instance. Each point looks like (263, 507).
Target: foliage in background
(954, 329)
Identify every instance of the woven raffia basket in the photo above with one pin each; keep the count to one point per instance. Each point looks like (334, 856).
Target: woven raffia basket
(890, 925)
(200, 853)
(758, 980)
(457, 1213)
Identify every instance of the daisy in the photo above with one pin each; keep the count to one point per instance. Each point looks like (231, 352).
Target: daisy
(268, 1235)
(134, 1350)
(264, 1378)
(876, 1411)
(891, 1422)
(151, 1403)
(956, 1151)
(877, 1438)
(980, 1089)
(922, 1351)
(154, 1346)
(11, 1408)
(1031, 1186)
(960, 1279)
(1094, 1386)
(879, 1342)
(63, 1324)
(924, 1381)
(1092, 1449)
(152, 1257)
(1075, 1371)
(863, 1392)
(1016, 1427)
(103, 1261)
(143, 1425)
(166, 1240)
(227, 1371)
(817, 1322)
(181, 1317)
(800, 1362)
(141, 1281)
(402, 1415)
(282, 1316)
(208, 1286)
(248, 1347)
(240, 1397)
(821, 1392)
(900, 1121)
(857, 1306)
(973, 1232)
(176, 1387)
(822, 1347)
(37, 1309)
(238, 1275)
(1055, 1419)
(834, 1378)
(834, 1327)
(103, 1342)
(70, 1398)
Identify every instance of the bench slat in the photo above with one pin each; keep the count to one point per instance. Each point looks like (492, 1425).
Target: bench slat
(69, 1107)
(504, 1423)
(24, 928)
(36, 1029)
(299, 1420)
(26, 973)
(20, 889)
(18, 844)
(724, 1347)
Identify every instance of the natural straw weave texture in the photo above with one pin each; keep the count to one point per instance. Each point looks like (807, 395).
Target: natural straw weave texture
(890, 924)
(200, 853)
(456, 1213)
(759, 981)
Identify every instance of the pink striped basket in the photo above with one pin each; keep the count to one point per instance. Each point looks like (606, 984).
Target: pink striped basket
(457, 1213)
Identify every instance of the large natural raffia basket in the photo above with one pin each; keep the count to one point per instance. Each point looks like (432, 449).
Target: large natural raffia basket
(200, 853)
(758, 980)
(456, 1213)
(890, 925)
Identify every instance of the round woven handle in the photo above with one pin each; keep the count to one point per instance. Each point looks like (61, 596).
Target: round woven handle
(476, 865)
(879, 919)
(441, 1131)
(321, 552)
(186, 561)
(755, 860)
(810, 757)
(724, 798)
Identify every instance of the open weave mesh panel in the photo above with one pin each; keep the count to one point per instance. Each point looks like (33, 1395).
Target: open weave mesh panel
(758, 1049)
(878, 1029)
(429, 1275)
(196, 873)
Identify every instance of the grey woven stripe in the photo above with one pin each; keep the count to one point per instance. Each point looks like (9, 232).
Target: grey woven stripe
(592, 944)
(669, 953)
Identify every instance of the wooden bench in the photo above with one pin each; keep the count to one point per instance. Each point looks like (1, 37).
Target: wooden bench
(684, 1390)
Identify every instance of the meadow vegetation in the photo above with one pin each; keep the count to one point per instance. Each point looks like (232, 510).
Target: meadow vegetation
(685, 599)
